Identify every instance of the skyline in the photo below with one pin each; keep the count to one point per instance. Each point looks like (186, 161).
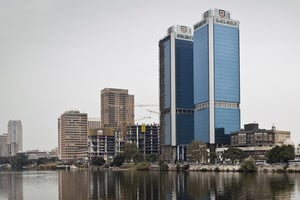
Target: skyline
(58, 56)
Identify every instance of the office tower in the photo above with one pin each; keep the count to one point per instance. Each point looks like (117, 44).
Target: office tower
(117, 108)
(72, 136)
(15, 137)
(176, 92)
(216, 76)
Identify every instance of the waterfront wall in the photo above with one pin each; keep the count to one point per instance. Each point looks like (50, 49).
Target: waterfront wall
(235, 168)
(228, 168)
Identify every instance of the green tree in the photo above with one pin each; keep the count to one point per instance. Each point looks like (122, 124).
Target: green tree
(131, 153)
(212, 157)
(152, 158)
(197, 151)
(118, 160)
(19, 161)
(98, 161)
(281, 154)
(248, 165)
(4, 160)
(143, 166)
(163, 166)
(234, 154)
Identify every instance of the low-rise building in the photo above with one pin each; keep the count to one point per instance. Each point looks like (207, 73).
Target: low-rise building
(297, 152)
(36, 154)
(252, 135)
(256, 141)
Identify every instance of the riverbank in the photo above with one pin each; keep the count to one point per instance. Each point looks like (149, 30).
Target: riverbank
(263, 168)
(279, 168)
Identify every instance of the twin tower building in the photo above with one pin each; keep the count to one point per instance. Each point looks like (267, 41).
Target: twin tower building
(199, 82)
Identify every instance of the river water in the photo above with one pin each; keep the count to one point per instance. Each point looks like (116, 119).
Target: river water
(129, 185)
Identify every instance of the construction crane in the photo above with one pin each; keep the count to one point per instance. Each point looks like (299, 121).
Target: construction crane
(152, 111)
(146, 117)
(145, 105)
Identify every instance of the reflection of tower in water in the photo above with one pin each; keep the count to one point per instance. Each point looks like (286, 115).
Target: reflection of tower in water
(73, 184)
(11, 186)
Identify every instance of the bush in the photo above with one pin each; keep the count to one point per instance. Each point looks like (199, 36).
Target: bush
(185, 167)
(248, 165)
(118, 160)
(98, 161)
(163, 166)
(19, 161)
(217, 169)
(143, 166)
(152, 158)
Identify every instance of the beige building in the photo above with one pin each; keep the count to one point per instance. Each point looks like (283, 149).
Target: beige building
(72, 136)
(94, 123)
(117, 108)
(256, 142)
(252, 135)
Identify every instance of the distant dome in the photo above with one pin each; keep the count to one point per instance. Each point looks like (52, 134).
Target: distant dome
(289, 142)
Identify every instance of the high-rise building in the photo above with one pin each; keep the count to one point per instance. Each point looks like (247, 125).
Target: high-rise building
(216, 76)
(15, 137)
(176, 92)
(3, 145)
(72, 136)
(117, 108)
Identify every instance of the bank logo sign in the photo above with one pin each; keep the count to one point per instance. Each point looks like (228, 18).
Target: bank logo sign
(183, 29)
(222, 13)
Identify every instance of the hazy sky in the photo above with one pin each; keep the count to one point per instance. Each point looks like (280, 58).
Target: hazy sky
(57, 55)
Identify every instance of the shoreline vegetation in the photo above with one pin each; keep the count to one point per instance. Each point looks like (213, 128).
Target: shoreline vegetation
(146, 166)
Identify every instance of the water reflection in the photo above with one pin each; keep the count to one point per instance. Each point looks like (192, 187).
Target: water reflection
(11, 186)
(129, 185)
(172, 185)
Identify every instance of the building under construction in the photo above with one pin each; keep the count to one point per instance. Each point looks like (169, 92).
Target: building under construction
(101, 143)
(146, 138)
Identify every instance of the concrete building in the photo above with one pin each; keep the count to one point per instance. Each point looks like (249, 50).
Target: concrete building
(146, 138)
(101, 143)
(252, 135)
(14, 137)
(216, 75)
(256, 141)
(297, 152)
(94, 123)
(36, 154)
(72, 136)
(176, 92)
(3, 145)
(117, 108)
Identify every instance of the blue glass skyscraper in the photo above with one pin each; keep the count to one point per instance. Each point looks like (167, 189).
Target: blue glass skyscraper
(176, 92)
(216, 76)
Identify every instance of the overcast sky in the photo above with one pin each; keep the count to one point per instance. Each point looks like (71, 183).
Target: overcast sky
(57, 55)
